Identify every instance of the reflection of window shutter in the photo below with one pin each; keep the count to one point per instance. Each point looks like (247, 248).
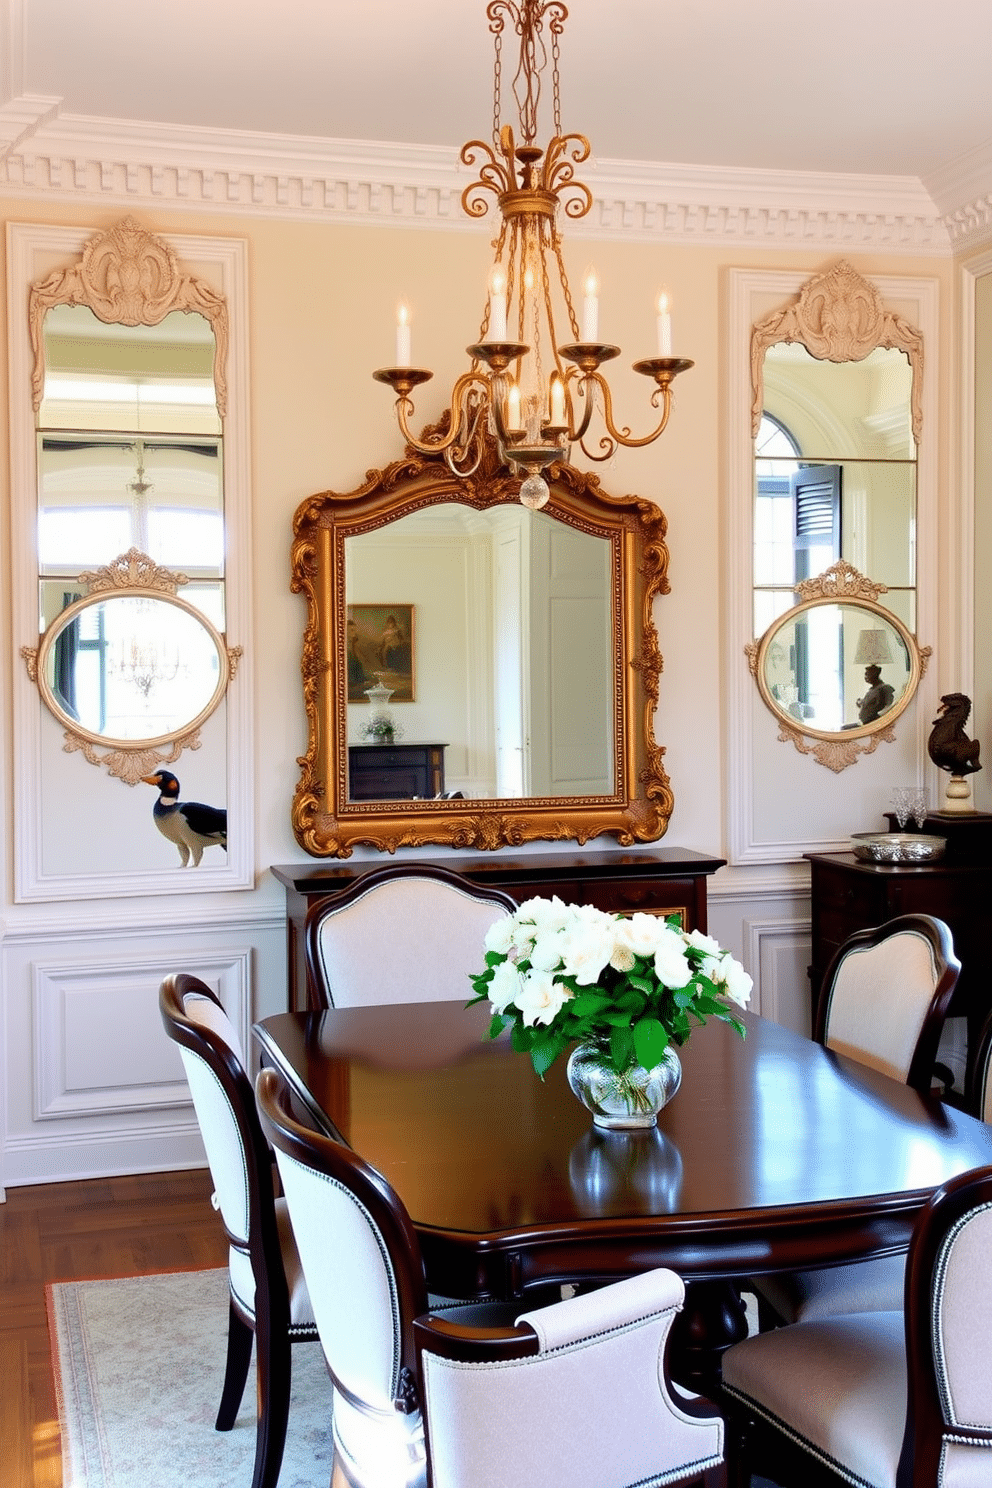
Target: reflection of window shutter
(816, 518)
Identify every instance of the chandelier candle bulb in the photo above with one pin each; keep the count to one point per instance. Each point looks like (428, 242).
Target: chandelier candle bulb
(497, 305)
(402, 337)
(513, 409)
(557, 402)
(590, 309)
(664, 326)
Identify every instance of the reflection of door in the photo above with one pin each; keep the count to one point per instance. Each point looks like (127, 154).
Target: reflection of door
(509, 632)
(570, 646)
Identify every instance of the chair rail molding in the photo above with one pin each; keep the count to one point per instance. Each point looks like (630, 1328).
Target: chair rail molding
(826, 811)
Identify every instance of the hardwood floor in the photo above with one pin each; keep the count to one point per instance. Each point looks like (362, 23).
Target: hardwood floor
(78, 1231)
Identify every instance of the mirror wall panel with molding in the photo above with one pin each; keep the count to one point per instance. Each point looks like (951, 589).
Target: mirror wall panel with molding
(831, 467)
(132, 592)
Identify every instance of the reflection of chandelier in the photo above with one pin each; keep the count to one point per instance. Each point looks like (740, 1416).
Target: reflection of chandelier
(536, 406)
(144, 656)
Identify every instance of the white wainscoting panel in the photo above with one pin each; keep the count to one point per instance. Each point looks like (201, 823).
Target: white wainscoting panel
(90, 1085)
(99, 1043)
(779, 954)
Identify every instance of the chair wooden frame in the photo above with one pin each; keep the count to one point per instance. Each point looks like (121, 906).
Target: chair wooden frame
(368, 884)
(271, 1325)
(948, 969)
(979, 1094)
(476, 1333)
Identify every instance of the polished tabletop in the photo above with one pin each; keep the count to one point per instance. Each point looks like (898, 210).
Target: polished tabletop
(774, 1153)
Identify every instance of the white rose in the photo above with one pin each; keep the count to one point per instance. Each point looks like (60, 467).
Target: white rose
(736, 982)
(548, 950)
(670, 964)
(640, 934)
(704, 943)
(622, 957)
(499, 937)
(587, 948)
(540, 997)
(545, 914)
(504, 986)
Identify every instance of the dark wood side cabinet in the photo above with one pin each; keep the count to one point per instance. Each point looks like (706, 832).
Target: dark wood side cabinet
(671, 880)
(849, 895)
(395, 772)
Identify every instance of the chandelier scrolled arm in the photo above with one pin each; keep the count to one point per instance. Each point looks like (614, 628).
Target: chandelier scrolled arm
(533, 405)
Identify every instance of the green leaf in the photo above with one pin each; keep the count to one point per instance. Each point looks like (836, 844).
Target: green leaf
(650, 1041)
(544, 1053)
(497, 1024)
(621, 1047)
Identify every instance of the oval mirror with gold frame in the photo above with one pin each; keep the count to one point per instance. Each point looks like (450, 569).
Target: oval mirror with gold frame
(838, 669)
(130, 669)
(355, 559)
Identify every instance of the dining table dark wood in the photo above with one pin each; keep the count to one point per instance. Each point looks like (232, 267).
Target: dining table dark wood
(774, 1154)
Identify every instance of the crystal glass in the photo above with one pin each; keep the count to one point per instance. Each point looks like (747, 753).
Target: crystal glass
(902, 803)
(630, 1099)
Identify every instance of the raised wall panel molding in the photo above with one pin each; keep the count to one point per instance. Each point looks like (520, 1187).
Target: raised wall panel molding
(82, 1071)
(123, 163)
(777, 957)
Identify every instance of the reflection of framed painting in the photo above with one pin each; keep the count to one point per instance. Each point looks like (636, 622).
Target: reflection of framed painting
(380, 643)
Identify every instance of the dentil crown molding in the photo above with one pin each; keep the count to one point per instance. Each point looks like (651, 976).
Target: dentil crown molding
(45, 153)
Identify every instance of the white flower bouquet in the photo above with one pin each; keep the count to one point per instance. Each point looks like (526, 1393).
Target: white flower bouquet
(561, 974)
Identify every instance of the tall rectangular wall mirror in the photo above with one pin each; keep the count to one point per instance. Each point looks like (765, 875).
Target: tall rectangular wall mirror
(129, 455)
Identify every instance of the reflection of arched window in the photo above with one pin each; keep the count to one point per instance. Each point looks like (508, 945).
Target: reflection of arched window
(797, 520)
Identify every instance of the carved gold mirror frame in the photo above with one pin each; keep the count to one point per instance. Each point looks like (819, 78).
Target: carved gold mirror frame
(327, 823)
(840, 585)
(131, 576)
(128, 277)
(839, 317)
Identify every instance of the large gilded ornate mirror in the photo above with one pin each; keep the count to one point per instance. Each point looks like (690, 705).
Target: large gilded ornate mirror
(836, 418)
(475, 673)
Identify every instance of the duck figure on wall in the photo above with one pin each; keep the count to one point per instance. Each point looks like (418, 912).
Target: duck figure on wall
(189, 824)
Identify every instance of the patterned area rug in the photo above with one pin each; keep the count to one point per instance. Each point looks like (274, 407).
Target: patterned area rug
(139, 1366)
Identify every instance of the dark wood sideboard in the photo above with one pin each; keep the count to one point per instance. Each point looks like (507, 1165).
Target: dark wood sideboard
(395, 772)
(848, 894)
(671, 880)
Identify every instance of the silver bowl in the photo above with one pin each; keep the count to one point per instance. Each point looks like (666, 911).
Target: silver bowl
(897, 847)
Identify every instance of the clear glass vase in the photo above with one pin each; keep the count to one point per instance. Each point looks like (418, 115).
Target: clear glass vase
(630, 1099)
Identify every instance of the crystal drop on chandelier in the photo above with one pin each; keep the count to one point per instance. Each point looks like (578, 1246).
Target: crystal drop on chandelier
(534, 492)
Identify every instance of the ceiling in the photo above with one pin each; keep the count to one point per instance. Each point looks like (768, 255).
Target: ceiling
(889, 87)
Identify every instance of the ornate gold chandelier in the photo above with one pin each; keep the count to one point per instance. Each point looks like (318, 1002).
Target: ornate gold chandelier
(534, 396)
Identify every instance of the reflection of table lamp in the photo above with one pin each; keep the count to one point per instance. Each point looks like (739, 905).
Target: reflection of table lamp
(873, 648)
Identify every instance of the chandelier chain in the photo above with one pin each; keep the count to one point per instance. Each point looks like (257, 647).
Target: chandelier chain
(573, 319)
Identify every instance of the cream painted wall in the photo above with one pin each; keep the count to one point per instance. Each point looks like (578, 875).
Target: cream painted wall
(322, 305)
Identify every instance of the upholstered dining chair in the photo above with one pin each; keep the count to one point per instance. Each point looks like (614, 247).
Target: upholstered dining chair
(894, 1399)
(269, 1300)
(980, 1079)
(403, 933)
(885, 998)
(575, 1393)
